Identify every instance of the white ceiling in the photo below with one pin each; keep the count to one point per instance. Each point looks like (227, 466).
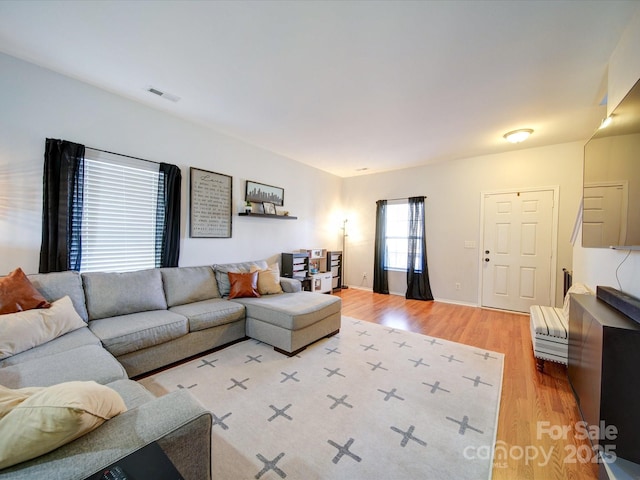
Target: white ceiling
(342, 85)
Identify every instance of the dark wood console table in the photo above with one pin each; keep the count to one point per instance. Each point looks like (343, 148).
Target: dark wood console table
(604, 372)
(149, 462)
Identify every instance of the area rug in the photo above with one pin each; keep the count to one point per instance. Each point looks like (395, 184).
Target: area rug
(372, 402)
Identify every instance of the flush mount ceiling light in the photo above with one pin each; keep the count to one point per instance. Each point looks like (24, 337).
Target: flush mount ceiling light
(517, 136)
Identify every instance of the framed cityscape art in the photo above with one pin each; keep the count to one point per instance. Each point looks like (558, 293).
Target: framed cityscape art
(259, 192)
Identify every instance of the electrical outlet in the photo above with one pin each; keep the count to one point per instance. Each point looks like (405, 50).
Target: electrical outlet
(457, 286)
(364, 275)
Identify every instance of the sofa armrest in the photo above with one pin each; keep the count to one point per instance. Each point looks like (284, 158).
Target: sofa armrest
(180, 425)
(290, 285)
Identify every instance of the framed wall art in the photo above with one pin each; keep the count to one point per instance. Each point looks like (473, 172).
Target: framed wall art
(210, 196)
(259, 192)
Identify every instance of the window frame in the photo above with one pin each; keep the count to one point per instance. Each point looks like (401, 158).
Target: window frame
(134, 227)
(397, 267)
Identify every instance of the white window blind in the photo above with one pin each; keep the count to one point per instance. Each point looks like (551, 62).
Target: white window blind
(119, 213)
(397, 238)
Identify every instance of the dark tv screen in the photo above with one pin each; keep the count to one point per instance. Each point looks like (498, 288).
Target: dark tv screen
(611, 195)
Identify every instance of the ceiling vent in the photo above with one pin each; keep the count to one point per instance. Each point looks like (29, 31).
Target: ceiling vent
(165, 95)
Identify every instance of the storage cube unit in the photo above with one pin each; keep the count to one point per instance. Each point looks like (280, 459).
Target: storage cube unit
(334, 264)
(295, 265)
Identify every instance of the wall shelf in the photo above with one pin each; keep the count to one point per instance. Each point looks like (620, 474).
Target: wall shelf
(267, 215)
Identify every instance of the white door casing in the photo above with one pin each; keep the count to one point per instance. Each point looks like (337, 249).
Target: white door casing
(520, 236)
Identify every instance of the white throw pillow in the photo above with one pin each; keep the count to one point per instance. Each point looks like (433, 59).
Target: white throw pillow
(24, 330)
(50, 417)
(579, 288)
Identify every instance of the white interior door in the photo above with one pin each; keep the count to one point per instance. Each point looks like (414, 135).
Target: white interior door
(517, 269)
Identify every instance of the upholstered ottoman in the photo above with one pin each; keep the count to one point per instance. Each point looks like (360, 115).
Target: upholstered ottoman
(550, 328)
(292, 321)
(549, 335)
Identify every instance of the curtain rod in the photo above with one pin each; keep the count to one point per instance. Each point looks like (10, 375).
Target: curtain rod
(122, 155)
(403, 198)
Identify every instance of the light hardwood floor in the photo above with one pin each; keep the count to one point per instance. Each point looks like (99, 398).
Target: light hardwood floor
(528, 396)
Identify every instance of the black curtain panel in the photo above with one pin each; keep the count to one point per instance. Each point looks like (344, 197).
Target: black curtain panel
(380, 279)
(418, 287)
(63, 182)
(168, 237)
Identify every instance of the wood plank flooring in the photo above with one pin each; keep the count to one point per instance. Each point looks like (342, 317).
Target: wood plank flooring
(528, 396)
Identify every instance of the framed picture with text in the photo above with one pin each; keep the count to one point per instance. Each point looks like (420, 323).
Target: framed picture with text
(210, 196)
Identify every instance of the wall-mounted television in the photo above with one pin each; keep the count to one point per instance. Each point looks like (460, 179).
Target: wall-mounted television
(611, 195)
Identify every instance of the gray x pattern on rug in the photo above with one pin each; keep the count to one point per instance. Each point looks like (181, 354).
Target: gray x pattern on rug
(372, 402)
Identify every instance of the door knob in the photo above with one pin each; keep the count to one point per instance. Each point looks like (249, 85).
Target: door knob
(486, 259)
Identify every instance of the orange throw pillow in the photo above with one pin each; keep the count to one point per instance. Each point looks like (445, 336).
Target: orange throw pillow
(243, 285)
(17, 294)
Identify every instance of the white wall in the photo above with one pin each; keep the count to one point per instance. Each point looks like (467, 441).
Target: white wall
(453, 211)
(36, 103)
(598, 266)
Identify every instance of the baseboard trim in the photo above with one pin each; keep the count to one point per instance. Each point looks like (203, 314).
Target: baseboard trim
(441, 300)
(456, 302)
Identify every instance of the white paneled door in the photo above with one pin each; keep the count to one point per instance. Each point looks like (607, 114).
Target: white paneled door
(518, 249)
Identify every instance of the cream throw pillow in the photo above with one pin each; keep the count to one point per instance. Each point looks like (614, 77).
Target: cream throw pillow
(40, 420)
(268, 280)
(21, 331)
(9, 399)
(579, 288)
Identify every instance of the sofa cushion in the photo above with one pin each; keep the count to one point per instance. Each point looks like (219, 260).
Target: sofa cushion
(189, 284)
(290, 285)
(291, 310)
(48, 418)
(244, 267)
(24, 330)
(56, 285)
(210, 313)
(113, 294)
(17, 294)
(243, 285)
(268, 280)
(89, 362)
(68, 341)
(128, 333)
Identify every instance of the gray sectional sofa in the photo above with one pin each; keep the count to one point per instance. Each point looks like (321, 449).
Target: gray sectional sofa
(141, 321)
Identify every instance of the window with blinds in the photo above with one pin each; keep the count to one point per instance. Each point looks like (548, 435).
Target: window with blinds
(397, 238)
(121, 215)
